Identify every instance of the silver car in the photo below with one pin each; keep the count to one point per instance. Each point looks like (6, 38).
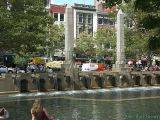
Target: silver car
(3, 69)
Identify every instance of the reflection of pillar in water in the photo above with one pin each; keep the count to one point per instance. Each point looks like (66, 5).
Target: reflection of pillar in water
(75, 114)
(95, 111)
(119, 109)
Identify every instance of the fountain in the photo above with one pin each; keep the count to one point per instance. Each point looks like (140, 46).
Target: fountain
(111, 104)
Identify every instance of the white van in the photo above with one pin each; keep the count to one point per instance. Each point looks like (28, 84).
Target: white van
(89, 66)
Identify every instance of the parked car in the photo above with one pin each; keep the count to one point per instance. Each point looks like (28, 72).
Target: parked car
(3, 69)
(11, 70)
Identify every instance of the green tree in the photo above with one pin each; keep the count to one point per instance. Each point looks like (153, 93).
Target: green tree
(5, 27)
(136, 43)
(22, 59)
(85, 45)
(56, 38)
(146, 17)
(105, 41)
(150, 22)
(25, 23)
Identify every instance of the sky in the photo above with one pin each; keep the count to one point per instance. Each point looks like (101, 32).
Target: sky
(71, 2)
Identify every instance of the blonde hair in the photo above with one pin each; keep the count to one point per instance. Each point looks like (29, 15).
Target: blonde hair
(36, 108)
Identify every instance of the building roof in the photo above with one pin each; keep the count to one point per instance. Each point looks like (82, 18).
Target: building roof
(84, 7)
(58, 8)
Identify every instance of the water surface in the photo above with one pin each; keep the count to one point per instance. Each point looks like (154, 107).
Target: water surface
(106, 104)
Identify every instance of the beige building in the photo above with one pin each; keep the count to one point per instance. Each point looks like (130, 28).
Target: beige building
(84, 17)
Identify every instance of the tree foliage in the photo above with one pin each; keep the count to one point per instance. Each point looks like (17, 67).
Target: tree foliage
(146, 17)
(110, 3)
(21, 59)
(136, 43)
(105, 40)
(56, 37)
(85, 44)
(23, 25)
(55, 40)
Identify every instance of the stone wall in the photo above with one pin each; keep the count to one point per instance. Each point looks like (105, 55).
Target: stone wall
(44, 82)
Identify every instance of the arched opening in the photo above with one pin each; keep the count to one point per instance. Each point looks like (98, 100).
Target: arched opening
(23, 86)
(100, 81)
(112, 80)
(148, 79)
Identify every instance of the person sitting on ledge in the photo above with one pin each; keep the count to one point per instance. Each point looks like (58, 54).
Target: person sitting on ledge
(38, 112)
(3, 114)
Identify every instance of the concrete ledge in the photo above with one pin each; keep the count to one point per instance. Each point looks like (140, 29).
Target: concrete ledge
(11, 83)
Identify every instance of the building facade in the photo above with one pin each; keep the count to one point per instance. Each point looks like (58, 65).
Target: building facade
(58, 13)
(84, 17)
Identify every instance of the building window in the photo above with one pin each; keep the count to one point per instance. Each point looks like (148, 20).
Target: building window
(100, 21)
(105, 21)
(89, 19)
(61, 17)
(80, 18)
(56, 16)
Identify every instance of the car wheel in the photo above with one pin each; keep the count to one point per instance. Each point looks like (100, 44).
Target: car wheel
(10, 71)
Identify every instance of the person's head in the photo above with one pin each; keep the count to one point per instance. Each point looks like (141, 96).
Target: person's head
(37, 111)
(37, 107)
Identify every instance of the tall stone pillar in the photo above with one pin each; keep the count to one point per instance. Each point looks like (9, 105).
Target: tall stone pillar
(120, 52)
(69, 34)
(69, 43)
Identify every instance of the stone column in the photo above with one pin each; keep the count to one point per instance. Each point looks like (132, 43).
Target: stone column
(120, 61)
(69, 36)
(69, 44)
